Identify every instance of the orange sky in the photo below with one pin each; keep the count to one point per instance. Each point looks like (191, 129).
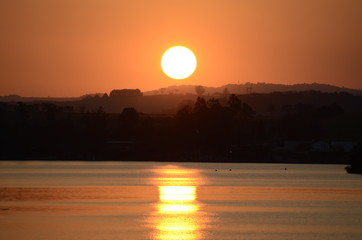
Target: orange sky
(73, 47)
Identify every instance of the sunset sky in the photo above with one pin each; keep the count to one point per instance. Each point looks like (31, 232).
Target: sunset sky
(70, 48)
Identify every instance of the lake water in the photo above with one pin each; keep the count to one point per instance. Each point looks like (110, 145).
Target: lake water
(190, 201)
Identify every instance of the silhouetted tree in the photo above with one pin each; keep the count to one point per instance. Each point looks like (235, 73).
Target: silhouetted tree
(184, 112)
(200, 105)
(234, 102)
(129, 116)
(105, 96)
(199, 90)
(241, 110)
(126, 93)
(213, 103)
(225, 92)
(162, 90)
(246, 111)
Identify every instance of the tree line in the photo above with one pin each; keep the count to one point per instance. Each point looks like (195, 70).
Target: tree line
(206, 129)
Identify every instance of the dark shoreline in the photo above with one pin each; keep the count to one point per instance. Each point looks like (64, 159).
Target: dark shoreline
(301, 128)
(176, 161)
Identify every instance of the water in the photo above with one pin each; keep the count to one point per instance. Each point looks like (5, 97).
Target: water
(190, 201)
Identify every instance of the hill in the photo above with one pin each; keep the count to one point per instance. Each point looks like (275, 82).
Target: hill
(259, 87)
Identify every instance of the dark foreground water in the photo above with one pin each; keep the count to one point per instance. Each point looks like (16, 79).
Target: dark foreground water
(138, 200)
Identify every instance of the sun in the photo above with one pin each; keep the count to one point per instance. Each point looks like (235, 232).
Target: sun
(178, 62)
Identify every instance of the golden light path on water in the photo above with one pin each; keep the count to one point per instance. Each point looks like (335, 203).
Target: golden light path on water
(177, 214)
(177, 193)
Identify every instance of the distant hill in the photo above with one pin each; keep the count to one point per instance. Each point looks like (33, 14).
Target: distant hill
(168, 100)
(17, 98)
(244, 88)
(254, 88)
(169, 103)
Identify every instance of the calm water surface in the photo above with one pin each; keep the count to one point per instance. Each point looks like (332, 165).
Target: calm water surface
(190, 201)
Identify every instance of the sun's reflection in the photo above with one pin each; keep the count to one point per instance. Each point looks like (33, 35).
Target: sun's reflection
(182, 227)
(177, 193)
(174, 208)
(177, 213)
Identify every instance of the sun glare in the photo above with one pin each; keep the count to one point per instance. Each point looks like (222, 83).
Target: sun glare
(178, 62)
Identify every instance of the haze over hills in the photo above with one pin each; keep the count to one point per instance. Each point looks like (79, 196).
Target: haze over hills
(260, 87)
(260, 97)
(244, 88)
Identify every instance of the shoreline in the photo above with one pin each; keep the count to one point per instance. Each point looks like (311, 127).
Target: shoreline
(176, 161)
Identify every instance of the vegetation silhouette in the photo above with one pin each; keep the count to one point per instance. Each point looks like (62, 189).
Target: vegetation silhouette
(199, 90)
(308, 127)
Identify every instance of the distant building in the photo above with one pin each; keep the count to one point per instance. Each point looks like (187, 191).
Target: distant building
(343, 146)
(321, 146)
(126, 93)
